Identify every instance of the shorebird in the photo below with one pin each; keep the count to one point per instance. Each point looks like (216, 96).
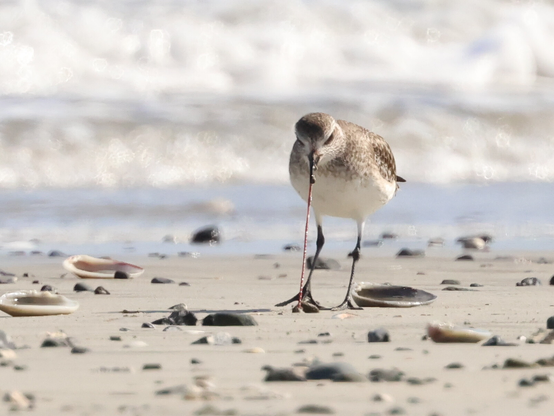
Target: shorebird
(342, 170)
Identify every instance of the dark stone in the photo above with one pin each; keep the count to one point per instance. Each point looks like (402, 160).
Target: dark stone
(147, 325)
(82, 287)
(475, 285)
(36, 282)
(529, 281)
(525, 382)
(315, 409)
(323, 263)
(550, 323)
(388, 236)
(55, 342)
(324, 334)
(7, 274)
(115, 338)
(552, 281)
(308, 341)
(450, 282)
(152, 367)
(195, 361)
(465, 257)
(120, 275)
(8, 280)
(79, 350)
(378, 335)
(184, 284)
(416, 381)
(406, 252)
(458, 289)
(292, 247)
(381, 374)
(204, 340)
(542, 378)
(454, 366)
(228, 319)
(497, 341)
(100, 290)
(172, 390)
(236, 340)
(516, 363)
(372, 243)
(172, 328)
(46, 288)
(546, 362)
(162, 280)
(56, 253)
(162, 321)
(374, 357)
(282, 374)
(397, 410)
(206, 235)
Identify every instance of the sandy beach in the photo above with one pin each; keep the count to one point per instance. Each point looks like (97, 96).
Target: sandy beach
(110, 379)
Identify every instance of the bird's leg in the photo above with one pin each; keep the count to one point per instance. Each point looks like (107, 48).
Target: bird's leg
(307, 290)
(348, 303)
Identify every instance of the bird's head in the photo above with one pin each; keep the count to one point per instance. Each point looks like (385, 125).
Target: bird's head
(317, 134)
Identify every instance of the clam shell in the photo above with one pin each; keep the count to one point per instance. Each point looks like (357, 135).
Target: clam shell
(35, 303)
(87, 267)
(367, 294)
(446, 332)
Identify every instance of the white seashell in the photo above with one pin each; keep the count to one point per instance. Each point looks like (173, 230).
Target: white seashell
(367, 294)
(447, 332)
(35, 303)
(87, 267)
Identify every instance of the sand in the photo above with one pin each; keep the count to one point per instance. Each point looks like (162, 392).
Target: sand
(88, 384)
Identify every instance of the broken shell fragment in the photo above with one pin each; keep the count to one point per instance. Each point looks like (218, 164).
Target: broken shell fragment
(446, 332)
(87, 267)
(367, 294)
(35, 303)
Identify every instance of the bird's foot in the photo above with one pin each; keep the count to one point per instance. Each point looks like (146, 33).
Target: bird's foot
(307, 300)
(347, 304)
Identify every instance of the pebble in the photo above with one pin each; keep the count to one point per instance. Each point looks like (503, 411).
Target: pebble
(195, 361)
(292, 247)
(152, 367)
(8, 280)
(458, 289)
(100, 290)
(120, 275)
(406, 252)
(57, 253)
(388, 236)
(162, 280)
(497, 341)
(529, 281)
(475, 285)
(452, 366)
(115, 338)
(516, 363)
(82, 287)
(380, 374)
(396, 411)
(47, 288)
(79, 350)
(206, 235)
(552, 281)
(416, 381)
(382, 397)
(184, 284)
(525, 382)
(372, 243)
(36, 282)
(55, 342)
(335, 372)
(315, 409)
(550, 323)
(378, 335)
(323, 263)
(283, 374)
(450, 282)
(147, 325)
(465, 257)
(436, 242)
(172, 328)
(229, 319)
(374, 357)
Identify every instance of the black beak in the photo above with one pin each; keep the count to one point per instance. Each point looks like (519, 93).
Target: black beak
(312, 159)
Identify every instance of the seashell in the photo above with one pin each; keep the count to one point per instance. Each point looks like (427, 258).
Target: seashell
(367, 294)
(35, 303)
(447, 332)
(87, 267)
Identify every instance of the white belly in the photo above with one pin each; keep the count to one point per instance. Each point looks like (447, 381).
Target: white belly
(338, 197)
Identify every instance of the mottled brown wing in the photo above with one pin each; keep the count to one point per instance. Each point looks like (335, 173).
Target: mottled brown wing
(384, 158)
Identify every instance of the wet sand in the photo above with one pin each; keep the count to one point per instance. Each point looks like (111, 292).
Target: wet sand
(65, 383)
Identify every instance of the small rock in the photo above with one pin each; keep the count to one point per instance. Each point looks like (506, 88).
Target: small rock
(497, 341)
(221, 338)
(378, 335)
(406, 252)
(207, 235)
(388, 236)
(36, 282)
(335, 372)
(147, 325)
(55, 342)
(450, 282)
(454, 366)
(465, 257)
(416, 381)
(115, 338)
(8, 280)
(283, 374)
(184, 284)
(525, 382)
(458, 289)
(475, 285)
(120, 275)
(316, 409)
(47, 288)
(435, 242)
(380, 374)
(324, 334)
(79, 350)
(172, 328)
(552, 281)
(292, 247)
(516, 363)
(323, 263)
(229, 319)
(382, 397)
(57, 253)
(152, 367)
(550, 323)
(396, 411)
(162, 280)
(100, 290)
(82, 287)
(372, 243)
(374, 357)
(529, 281)
(195, 361)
